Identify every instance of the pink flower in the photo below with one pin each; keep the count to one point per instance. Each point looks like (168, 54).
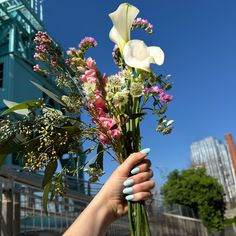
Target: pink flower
(91, 63)
(37, 56)
(42, 37)
(36, 68)
(107, 122)
(115, 133)
(72, 51)
(99, 102)
(89, 76)
(88, 42)
(100, 112)
(103, 139)
(111, 127)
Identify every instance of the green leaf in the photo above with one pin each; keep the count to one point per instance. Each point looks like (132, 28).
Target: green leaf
(137, 115)
(2, 159)
(70, 129)
(100, 152)
(49, 172)
(161, 119)
(49, 93)
(46, 190)
(11, 104)
(23, 105)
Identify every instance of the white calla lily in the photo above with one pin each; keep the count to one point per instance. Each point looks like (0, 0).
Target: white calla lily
(122, 20)
(138, 55)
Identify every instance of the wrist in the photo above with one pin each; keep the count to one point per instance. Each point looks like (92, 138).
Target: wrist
(102, 204)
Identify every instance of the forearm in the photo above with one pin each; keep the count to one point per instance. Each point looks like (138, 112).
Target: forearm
(93, 221)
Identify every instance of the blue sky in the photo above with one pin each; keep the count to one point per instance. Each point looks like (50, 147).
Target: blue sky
(199, 41)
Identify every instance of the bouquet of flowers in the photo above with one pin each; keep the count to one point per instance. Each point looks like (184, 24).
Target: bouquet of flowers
(116, 103)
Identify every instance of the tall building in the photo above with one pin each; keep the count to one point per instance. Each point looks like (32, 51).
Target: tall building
(215, 157)
(20, 20)
(21, 205)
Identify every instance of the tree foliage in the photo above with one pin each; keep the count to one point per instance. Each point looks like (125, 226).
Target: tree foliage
(199, 191)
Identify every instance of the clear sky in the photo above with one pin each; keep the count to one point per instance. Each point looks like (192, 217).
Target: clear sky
(199, 41)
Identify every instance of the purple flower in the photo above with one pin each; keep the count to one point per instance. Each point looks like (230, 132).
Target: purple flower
(155, 89)
(143, 24)
(115, 54)
(147, 90)
(165, 97)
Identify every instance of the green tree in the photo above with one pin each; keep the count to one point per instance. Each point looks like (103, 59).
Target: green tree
(199, 191)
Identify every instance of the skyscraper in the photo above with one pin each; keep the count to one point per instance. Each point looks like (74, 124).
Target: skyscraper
(215, 157)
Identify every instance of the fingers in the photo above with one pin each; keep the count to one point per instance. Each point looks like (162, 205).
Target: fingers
(141, 177)
(132, 161)
(138, 196)
(140, 191)
(138, 186)
(142, 167)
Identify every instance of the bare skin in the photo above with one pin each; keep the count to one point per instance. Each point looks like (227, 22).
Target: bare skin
(110, 204)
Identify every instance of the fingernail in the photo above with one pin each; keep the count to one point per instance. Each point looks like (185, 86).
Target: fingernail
(128, 182)
(135, 171)
(145, 151)
(129, 197)
(128, 190)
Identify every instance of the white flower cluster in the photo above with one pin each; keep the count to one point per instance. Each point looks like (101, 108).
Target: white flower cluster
(90, 91)
(136, 89)
(116, 89)
(72, 103)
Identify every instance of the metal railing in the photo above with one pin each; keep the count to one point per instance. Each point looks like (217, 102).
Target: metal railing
(22, 213)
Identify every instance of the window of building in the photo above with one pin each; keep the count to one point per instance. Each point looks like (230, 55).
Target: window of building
(1, 75)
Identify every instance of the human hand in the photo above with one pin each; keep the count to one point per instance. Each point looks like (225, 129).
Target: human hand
(133, 178)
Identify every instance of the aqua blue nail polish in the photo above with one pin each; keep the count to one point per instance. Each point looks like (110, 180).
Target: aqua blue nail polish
(145, 151)
(135, 171)
(128, 190)
(129, 197)
(128, 182)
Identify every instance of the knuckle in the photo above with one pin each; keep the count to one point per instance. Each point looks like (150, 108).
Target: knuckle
(149, 162)
(152, 184)
(150, 173)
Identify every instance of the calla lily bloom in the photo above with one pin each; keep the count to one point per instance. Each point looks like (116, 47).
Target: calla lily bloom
(122, 20)
(138, 55)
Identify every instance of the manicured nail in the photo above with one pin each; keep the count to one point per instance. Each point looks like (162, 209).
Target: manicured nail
(129, 197)
(145, 151)
(128, 182)
(135, 171)
(128, 190)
